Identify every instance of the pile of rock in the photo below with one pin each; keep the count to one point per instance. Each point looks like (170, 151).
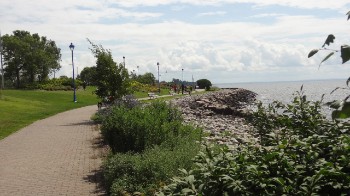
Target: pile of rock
(221, 114)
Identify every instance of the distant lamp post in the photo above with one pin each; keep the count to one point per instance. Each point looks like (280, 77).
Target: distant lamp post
(182, 75)
(124, 61)
(138, 70)
(71, 46)
(2, 68)
(158, 78)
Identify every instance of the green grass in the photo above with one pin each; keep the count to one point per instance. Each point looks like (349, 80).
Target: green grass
(20, 108)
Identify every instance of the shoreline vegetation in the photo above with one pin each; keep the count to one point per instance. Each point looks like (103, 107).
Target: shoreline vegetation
(212, 143)
(278, 149)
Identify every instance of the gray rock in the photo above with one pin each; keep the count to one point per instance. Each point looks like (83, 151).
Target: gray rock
(219, 113)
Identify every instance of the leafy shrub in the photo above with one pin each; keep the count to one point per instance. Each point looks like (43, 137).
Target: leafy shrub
(146, 172)
(135, 129)
(59, 84)
(155, 141)
(299, 152)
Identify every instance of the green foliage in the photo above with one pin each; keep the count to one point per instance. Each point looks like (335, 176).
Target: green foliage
(345, 53)
(149, 144)
(57, 84)
(299, 152)
(112, 80)
(342, 110)
(140, 87)
(147, 78)
(204, 84)
(135, 129)
(146, 172)
(29, 58)
(88, 75)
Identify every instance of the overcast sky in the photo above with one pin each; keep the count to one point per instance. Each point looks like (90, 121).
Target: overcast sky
(222, 40)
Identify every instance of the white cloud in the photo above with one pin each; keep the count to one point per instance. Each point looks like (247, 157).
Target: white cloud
(217, 13)
(206, 50)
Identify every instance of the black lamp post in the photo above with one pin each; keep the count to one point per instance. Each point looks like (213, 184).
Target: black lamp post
(124, 61)
(71, 46)
(158, 78)
(182, 75)
(2, 68)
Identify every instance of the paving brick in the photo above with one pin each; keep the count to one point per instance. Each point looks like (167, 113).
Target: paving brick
(54, 156)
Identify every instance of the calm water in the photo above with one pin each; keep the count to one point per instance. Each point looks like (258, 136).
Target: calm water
(283, 91)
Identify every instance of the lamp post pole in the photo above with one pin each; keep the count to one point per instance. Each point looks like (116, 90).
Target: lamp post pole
(71, 46)
(158, 78)
(182, 75)
(124, 61)
(2, 68)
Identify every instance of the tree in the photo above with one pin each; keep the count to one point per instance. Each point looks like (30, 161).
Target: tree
(204, 83)
(29, 58)
(112, 80)
(88, 75)
(147, 78)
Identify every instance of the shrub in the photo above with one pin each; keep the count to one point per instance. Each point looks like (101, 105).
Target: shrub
(146, 172)
(155, 141)
(299, 152)
(135, 129)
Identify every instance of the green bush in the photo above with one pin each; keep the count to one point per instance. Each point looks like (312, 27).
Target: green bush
(147, 171)
(299, 152)
(57, 84)
(137, 128)
(156, 143)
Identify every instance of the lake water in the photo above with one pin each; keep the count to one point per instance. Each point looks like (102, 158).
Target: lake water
(283, 91)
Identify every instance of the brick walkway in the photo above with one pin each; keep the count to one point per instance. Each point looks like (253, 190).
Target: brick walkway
(59, 155)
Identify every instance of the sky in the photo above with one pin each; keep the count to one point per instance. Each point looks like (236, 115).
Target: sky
(225, 41)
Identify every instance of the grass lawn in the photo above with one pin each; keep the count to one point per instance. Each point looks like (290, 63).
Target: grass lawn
(20, 108)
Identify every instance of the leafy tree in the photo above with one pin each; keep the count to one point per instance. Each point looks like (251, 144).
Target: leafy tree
(342, 108)
(29, 58)
(204, 83)
(112, 80)
(88, 75)
(147, 78)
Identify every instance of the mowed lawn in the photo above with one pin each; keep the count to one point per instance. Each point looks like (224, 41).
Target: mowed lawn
(19, 108)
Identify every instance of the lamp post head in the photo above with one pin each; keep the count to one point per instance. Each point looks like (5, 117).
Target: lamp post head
(158, 63)
(124, 57)
(71, 46)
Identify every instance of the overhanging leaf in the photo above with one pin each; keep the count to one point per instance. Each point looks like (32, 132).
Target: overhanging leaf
(330, 39)
(348, 15)
(334, 104)
(347, 82)
(345, 53)
(312, 53)
(346, 98)
(334, 90)
(327, 57)
(343, 113)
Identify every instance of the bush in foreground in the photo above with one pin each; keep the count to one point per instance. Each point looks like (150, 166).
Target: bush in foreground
(146, 172)
(135, 129)
(149, 143)
(299, 152)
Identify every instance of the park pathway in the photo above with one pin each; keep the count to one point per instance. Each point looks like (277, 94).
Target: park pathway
(60, 155)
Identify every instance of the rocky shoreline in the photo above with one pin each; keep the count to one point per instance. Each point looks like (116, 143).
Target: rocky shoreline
(220, 114)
